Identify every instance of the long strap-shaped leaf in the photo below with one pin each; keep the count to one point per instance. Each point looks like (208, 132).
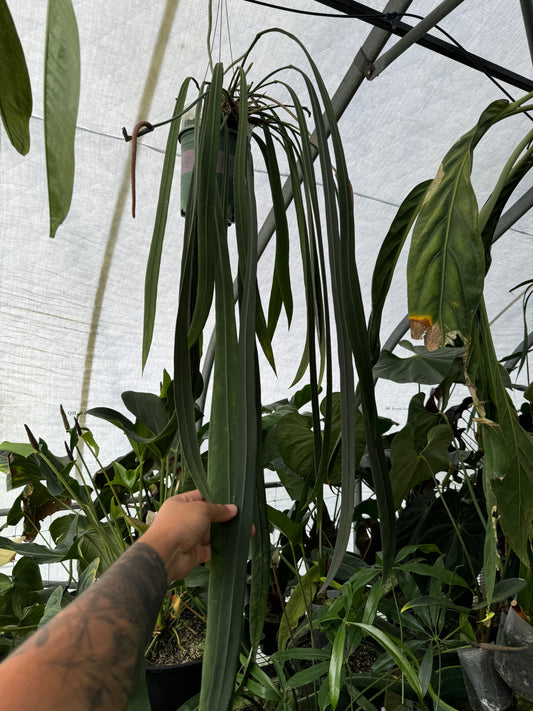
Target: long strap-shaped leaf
(208, 195)
(61, 96)
(183, 380)
(230, 543)
(388, 258)
(318, 295)
(281, 283)
(341, 235)
(156, 247)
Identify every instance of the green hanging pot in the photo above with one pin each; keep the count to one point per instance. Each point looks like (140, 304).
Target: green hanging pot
(225, 164)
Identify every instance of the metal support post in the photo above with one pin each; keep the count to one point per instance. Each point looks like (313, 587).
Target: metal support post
(414, 35)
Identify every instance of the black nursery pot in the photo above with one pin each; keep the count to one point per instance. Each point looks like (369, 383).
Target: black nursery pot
(171, 686)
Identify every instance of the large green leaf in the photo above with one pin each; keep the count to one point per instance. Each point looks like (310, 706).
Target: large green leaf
(446, 265)
(296, 443)
(452, 523)
(425, 367)
(335, 666)
(53, 605)
(15, 88)
(420, 449)
(43, 554)
(148, 408)
(61, 96)
(411, 465)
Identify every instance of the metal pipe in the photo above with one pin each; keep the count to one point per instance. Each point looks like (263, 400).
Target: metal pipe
(513, 214)
(435, 44)
(527, 14)
(413, 36)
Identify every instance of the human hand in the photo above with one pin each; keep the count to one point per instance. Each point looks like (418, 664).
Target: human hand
(180, 532)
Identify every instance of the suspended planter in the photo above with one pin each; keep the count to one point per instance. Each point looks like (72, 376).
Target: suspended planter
(224, 167)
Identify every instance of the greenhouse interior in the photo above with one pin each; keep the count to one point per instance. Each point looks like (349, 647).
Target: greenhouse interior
(266, 409)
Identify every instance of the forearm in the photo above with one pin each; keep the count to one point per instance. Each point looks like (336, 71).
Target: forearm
(87, 656)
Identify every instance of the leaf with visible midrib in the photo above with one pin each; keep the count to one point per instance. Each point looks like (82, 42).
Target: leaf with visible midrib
(15, 88)
(446, 265)
(61, 96)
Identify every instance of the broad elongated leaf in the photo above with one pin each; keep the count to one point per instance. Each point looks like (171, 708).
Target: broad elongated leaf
(27, 575)
(261, 559)
(61, 96)
(290, 529)
(446, 265)
(15, 89)
(21, 448)
(148, 408)
(416, 454)
(509, 472)
(42, 554)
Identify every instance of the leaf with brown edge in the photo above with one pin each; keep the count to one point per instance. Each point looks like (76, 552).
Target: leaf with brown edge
(446, 265)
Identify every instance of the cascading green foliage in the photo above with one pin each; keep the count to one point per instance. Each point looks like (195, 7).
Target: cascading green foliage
(449, 256)
(233, 471)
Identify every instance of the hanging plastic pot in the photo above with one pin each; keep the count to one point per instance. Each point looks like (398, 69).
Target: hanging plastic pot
(516, 667)
(225, 162)
(486, 690)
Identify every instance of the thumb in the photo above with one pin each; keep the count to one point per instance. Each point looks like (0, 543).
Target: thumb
(220, 513)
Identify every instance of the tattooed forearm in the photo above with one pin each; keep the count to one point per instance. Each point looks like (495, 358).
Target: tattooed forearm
(86, 657)
(93, 648)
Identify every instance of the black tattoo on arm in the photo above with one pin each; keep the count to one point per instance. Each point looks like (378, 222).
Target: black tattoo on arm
(95, 645)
